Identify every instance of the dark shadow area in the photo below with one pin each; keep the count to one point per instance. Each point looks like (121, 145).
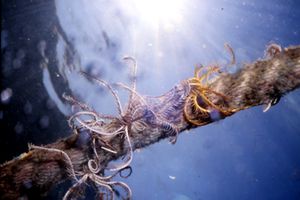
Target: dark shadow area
(28, 115)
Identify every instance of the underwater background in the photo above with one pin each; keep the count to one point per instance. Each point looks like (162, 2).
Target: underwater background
(250, 155)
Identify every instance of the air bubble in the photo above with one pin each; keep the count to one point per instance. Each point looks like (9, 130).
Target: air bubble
(28, 108)
(50, 104)
(215, 115)
(19, 128)
(44, 121)
(6, 95)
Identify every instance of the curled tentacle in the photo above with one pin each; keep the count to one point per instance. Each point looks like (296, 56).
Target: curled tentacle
(230, 50)
(105, 185)
(75, 187)
(86, 113)
(109, 150)
(97, 127)
(132, 91)
(92, 125)
(133, 80)
(198, 107)
(133, 72)
(198, 69)
(74, 101)
(93, 166)
(171, 130)
(202, 114)
(127, 175)
(271, 103)
(129, 159)
(64, 154)
(124, 186)
(273, 50)
(112, 91)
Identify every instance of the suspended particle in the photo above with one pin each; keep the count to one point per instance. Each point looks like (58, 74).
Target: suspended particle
(6, 95)
(27, 108)
(44, 122)
(19, 128)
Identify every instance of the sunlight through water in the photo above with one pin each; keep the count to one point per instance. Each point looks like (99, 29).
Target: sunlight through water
(166, 12)
(168, 38)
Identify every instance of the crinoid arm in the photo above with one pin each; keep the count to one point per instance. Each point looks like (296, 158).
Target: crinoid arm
(273, 50)
(197, 101)
(108, 86)
(230, 50)
(200, 102)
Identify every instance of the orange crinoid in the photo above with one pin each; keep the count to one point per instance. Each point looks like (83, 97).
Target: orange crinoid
(200, 107)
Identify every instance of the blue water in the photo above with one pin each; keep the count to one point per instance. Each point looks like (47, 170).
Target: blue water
(250, 155)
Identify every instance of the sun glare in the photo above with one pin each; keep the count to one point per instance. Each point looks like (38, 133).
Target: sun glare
(164, 12)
